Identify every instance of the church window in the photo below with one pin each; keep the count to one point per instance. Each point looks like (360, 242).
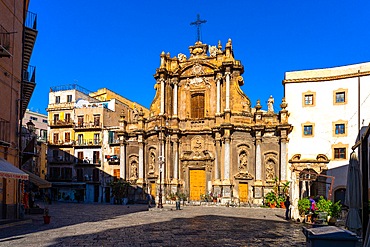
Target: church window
(339, 153)
(197, 105)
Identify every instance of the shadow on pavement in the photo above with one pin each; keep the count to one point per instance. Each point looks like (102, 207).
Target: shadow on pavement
(68, 214)
(208, 230)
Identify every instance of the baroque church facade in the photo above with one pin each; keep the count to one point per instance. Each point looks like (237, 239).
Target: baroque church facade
(203, 135)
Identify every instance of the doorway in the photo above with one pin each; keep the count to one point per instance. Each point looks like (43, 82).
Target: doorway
(197, 184)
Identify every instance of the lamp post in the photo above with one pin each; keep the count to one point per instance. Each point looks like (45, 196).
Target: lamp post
(161, 162)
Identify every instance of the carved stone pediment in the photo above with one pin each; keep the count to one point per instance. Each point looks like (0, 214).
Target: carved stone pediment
(244, 176)
(203, 155)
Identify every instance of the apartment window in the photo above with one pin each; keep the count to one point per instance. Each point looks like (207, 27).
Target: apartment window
(340, 97)
(307, 130)
(308, 99)
(45, 121)
(96, 139)
(55, 154)
(69, 98)
(80, 121)
(68, 117)
(56, 118)
(197, 105)
(340, 129)
(55, 138)
(67, 137)
(80, 156)
(43, 134)
(57, 99)
(96, 120)
(96, 157)
(80, 139)
(339, 153)
(33, 118)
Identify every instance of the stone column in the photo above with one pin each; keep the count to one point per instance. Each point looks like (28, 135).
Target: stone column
(162, 95)
(175, 82)
(283, 161)
(176, 159)
(217, 157)
(122, 161)
(258, 157)
(227, 108)
(227, 160)
(141, 160)
(218, 102)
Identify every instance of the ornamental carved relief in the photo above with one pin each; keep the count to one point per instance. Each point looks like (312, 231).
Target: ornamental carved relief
(271, 161)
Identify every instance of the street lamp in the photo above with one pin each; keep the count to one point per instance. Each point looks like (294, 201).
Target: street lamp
(30, 126)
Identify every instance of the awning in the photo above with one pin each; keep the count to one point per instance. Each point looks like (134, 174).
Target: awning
(8, 170)
(41, 183)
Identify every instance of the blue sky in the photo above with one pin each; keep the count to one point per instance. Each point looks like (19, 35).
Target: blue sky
(117, 43)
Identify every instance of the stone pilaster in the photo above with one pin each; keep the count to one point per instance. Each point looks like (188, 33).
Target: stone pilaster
(175, 92)
(227, 98)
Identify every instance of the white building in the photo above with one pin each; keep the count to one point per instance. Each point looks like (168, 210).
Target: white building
(327, 108)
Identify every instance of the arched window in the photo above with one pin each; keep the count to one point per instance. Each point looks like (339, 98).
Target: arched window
(197, 105)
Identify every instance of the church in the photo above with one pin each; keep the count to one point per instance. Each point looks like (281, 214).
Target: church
(202, 135)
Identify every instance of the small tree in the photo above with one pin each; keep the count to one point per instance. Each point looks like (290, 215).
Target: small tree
(119, 190)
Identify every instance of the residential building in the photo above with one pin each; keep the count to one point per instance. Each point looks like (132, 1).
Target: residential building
(34, 138)
(203, 137)
(78, 122)
(17, 78)
(327, 109)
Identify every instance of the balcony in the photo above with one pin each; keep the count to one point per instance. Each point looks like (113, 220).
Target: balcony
(4, 42)
(4, 132)
(30, 34)
(112, 159)
(61, 143)
(28, 85)
(88, 142)
(61, 123)
(88, 162)
(61, 160)
(88, 126)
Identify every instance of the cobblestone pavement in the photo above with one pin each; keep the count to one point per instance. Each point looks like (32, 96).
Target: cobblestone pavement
(135, 225)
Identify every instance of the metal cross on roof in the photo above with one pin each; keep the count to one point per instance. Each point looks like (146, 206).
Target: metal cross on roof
(198, 22)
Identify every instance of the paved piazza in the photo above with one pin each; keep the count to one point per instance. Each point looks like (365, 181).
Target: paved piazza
(135, 225)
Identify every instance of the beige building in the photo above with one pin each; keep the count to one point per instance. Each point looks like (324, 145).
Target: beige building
(17, 81)
(202, 135)
(81, 140)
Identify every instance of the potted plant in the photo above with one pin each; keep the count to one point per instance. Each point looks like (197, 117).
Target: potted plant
(280, 201)
(46, 216)
(304, 205)
(270, 199)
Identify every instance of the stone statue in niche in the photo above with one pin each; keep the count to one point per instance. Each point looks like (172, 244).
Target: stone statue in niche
(151, 163)
(133, 171)
(270, 104)
(243, 162)
(270, 173)
(135, 114)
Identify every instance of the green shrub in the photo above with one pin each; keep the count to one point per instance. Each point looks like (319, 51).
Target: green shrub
(304, 205)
